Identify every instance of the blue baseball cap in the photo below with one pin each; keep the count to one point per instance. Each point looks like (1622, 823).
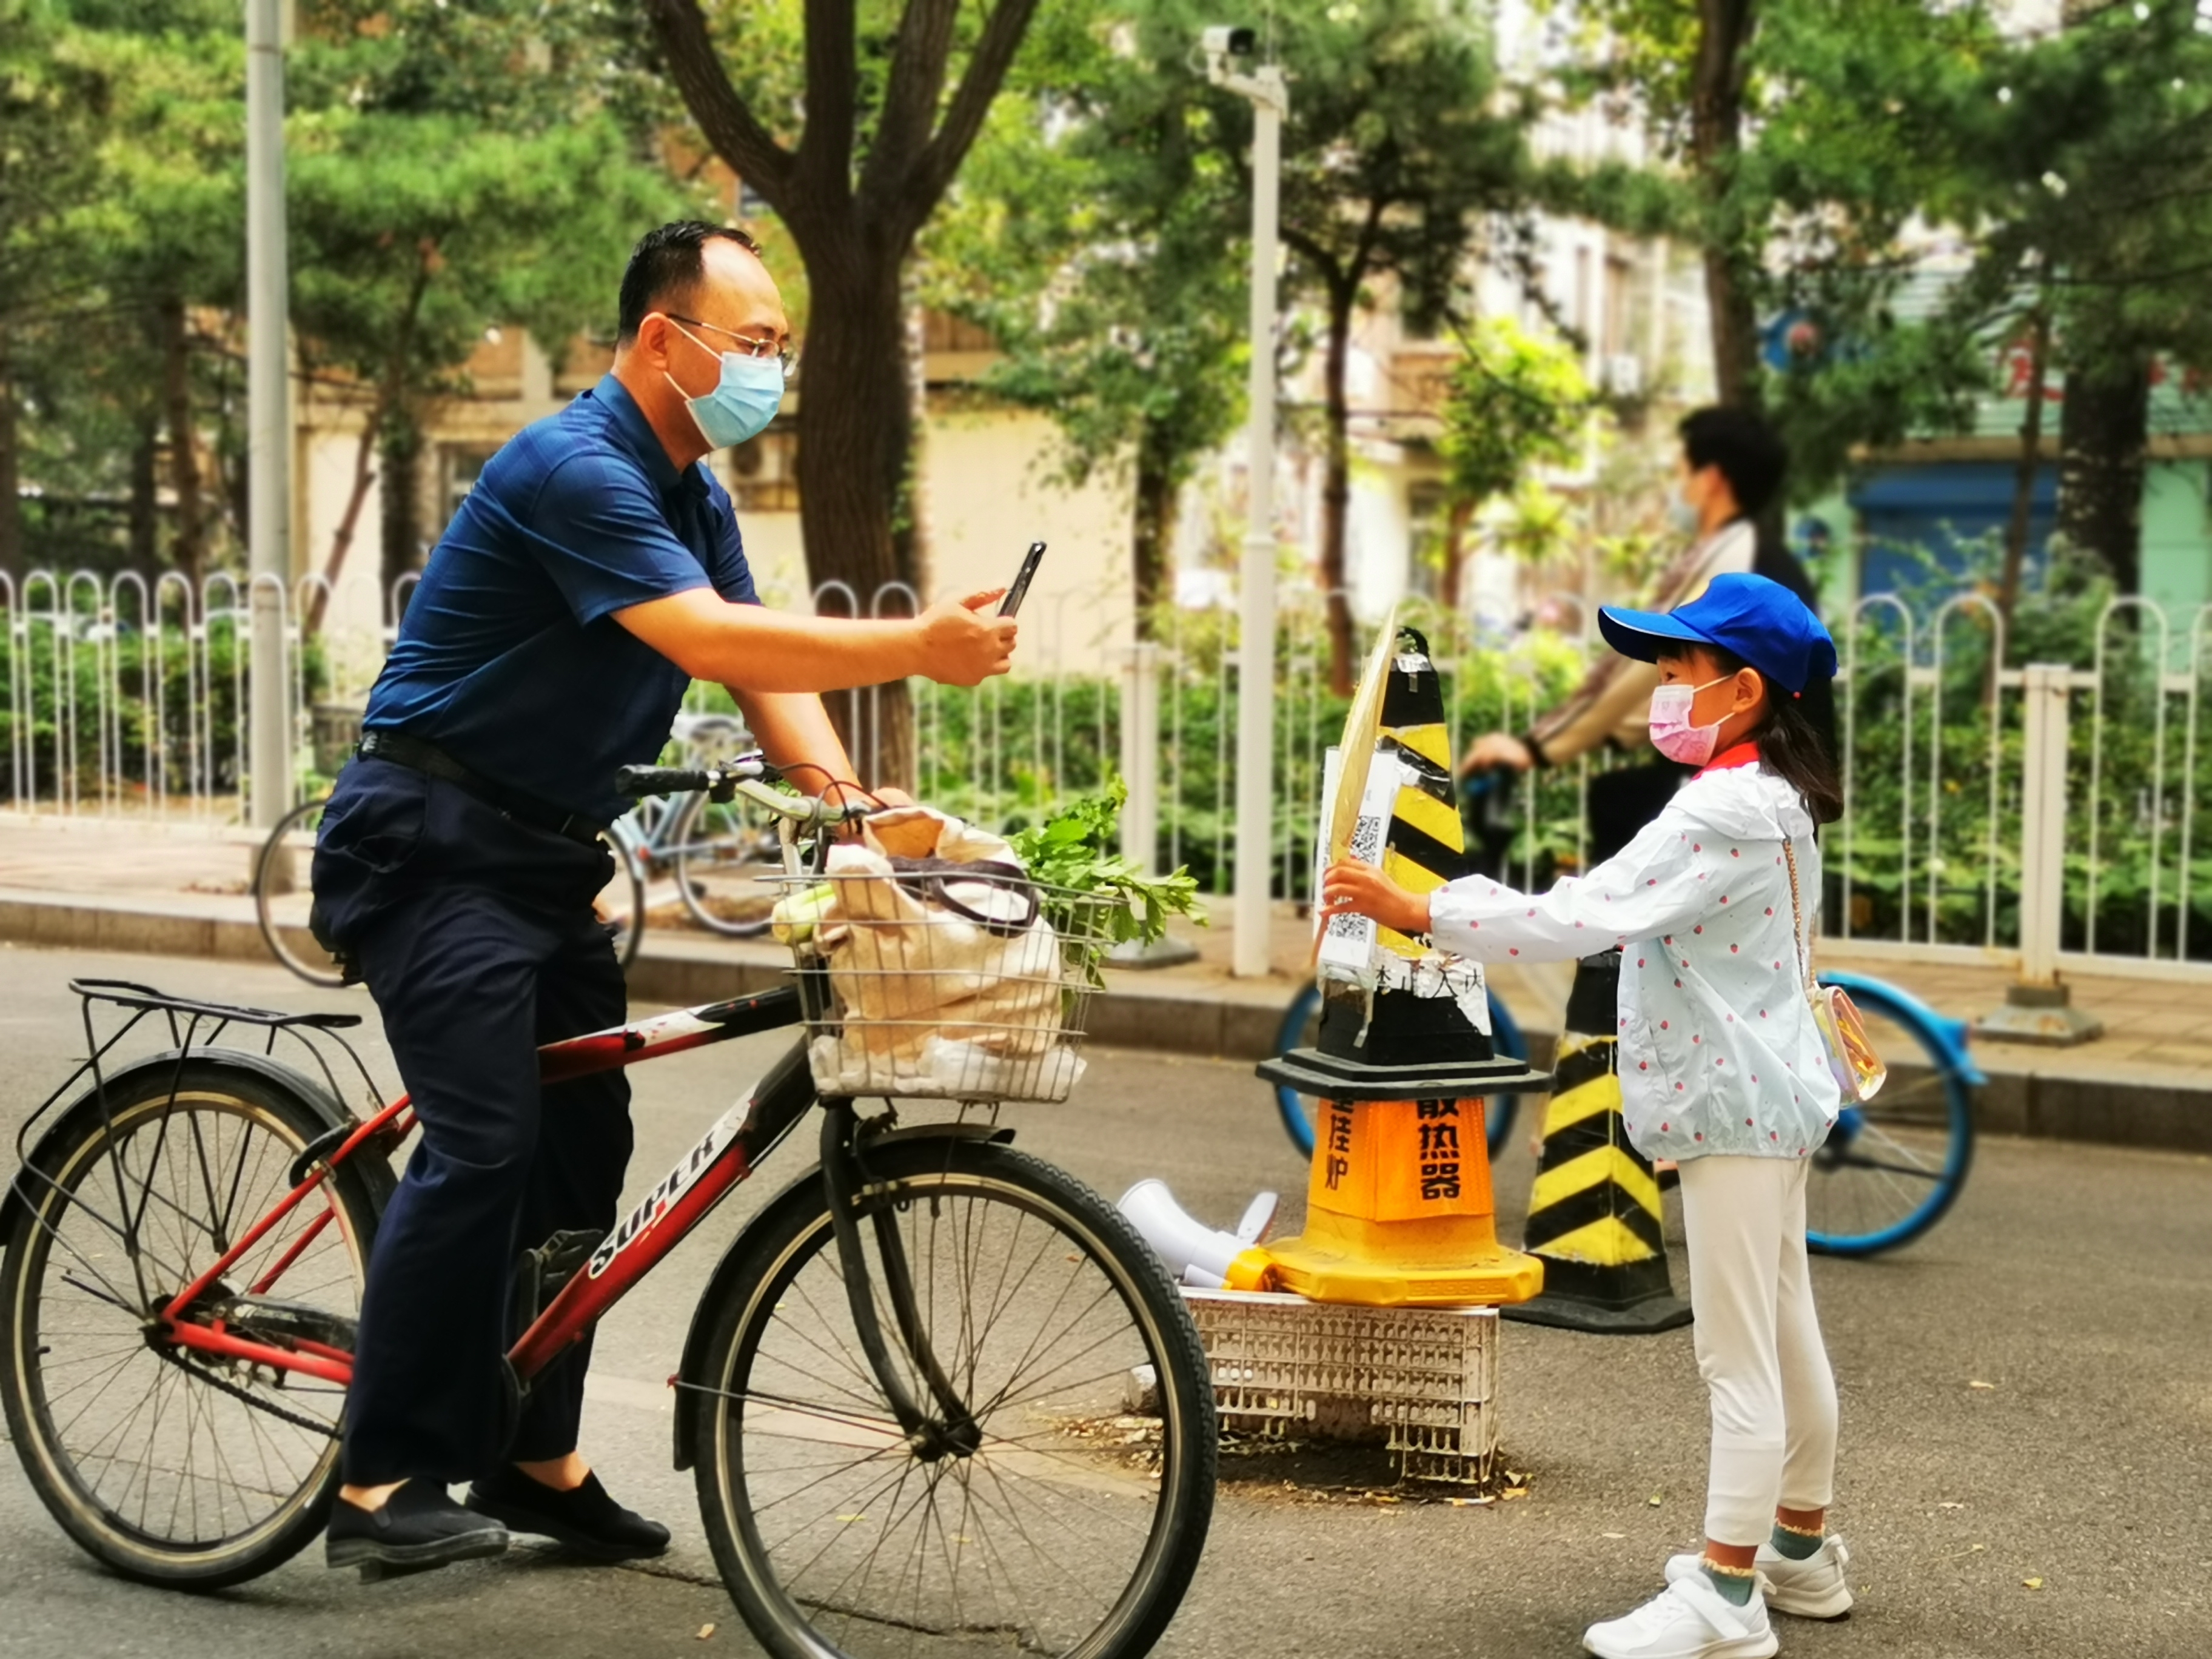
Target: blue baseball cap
(1749, 617)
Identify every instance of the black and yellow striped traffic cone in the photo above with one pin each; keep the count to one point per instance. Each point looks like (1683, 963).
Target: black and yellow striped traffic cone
(1399, 1207)
(1593, 1216)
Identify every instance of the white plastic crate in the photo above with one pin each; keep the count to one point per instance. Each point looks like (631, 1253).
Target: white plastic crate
(1423, 1380)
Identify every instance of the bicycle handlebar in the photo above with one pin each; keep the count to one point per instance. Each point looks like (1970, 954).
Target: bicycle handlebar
(749, 775)
(636, 781)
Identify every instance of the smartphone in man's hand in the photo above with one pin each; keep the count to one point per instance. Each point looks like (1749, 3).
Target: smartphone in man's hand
(1015, 594)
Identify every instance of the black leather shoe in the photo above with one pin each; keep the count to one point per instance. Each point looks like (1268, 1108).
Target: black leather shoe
(418, 1527)
(586, 1518)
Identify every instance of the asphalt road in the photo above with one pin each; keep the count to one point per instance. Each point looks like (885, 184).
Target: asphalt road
(2071, 1281)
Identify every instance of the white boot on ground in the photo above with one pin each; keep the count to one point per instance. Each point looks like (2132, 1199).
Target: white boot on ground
(1688, 1620)
(1814, 1588)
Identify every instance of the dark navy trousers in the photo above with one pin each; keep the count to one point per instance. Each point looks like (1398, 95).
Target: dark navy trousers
(476, 937)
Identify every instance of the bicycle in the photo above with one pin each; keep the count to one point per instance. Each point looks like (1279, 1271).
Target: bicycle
(1888, 1170)
(902, 1392)
(711, 849)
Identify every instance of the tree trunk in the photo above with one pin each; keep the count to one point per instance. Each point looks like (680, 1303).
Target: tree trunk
(142, 535)
(1724, 33)
(1455, 526)
(2103, 425)
(188, 552)
(1336, 489)
(401, 540)
(852, 207)
(852, 468)
(2031, 461)
(11, 503)
(1154, 525)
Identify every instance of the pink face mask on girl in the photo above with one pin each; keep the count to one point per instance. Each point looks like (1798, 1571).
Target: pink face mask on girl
(1673, 735)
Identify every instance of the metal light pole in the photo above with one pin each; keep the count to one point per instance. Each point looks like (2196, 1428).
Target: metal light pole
(269, 445)
(1256, 703)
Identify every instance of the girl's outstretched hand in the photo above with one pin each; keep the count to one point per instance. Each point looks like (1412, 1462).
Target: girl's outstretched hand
(1354, 889)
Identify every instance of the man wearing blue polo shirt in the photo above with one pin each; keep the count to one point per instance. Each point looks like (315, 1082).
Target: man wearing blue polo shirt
(593, 573)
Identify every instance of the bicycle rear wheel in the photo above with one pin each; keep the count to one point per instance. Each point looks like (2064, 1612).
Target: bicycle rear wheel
(1297, 1110)
(1893, 1164)
(281, 897)
(172, 1468)
(1073, 1527)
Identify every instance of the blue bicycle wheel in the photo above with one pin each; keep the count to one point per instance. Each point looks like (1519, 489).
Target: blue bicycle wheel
(1892, 1165)
(1297, 1109)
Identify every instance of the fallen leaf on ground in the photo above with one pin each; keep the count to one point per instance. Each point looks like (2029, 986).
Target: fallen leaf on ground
(1655, 1500)
(1950, 1506)
(1469, 1503)
(1612, 1534)
(1514, 1491)
(2032, 1583)
(1979, 1383)
(706, 1630)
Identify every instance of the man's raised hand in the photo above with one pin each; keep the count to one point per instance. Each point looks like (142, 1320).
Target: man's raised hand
(962, 646)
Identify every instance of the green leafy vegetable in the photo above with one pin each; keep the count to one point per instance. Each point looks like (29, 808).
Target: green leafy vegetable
(1068, 853)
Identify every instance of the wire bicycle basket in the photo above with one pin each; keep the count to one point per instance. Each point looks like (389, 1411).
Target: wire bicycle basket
(945, 981)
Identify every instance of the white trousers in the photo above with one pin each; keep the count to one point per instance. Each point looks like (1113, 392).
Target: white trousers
(1758, 1343)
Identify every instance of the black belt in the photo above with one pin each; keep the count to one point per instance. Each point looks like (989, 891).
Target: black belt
(412, 752)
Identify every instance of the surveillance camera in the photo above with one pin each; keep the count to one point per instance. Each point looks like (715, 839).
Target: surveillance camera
(1229, 42)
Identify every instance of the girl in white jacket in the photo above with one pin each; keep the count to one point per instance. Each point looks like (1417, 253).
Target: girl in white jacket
(1722, 1069)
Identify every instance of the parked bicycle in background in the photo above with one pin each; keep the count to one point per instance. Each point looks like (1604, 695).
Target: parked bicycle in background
(710, 856)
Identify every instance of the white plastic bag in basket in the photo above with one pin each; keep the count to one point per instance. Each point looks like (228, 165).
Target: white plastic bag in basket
(953, 990)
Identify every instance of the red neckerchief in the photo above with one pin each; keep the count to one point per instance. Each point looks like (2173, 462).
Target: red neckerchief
(1744, 754)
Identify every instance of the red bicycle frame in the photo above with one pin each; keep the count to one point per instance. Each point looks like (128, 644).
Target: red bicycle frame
(725, 1156)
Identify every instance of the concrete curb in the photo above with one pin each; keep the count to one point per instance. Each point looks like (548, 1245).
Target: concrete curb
(2031, 1092)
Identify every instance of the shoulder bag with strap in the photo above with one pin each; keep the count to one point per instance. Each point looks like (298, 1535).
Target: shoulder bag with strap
(1858, 1070)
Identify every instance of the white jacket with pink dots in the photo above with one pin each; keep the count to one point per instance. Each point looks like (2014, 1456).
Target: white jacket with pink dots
(1719, 1051)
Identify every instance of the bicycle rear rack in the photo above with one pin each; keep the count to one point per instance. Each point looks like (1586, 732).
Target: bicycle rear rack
(193, 1025)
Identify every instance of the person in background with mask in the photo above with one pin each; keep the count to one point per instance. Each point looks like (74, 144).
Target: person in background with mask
(595, 571)
(1730, 468)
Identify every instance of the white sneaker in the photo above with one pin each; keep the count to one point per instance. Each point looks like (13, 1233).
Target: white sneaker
(1688, 1620)
(1814, 1588)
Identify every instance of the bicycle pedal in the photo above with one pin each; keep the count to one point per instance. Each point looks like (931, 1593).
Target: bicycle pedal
(541, 1274)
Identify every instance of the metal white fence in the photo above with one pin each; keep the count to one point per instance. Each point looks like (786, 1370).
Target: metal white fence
(122, 697)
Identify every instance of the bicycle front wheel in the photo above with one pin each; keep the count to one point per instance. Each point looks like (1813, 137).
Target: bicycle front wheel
(170, 1466)
(1071, 1527)
(1893, 1164)
(281, 897)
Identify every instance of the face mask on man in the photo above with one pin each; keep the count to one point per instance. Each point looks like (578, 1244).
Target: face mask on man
(744, 401)
(1673, 735)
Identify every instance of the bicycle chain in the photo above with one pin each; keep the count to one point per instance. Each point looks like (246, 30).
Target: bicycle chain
(297, 1420)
